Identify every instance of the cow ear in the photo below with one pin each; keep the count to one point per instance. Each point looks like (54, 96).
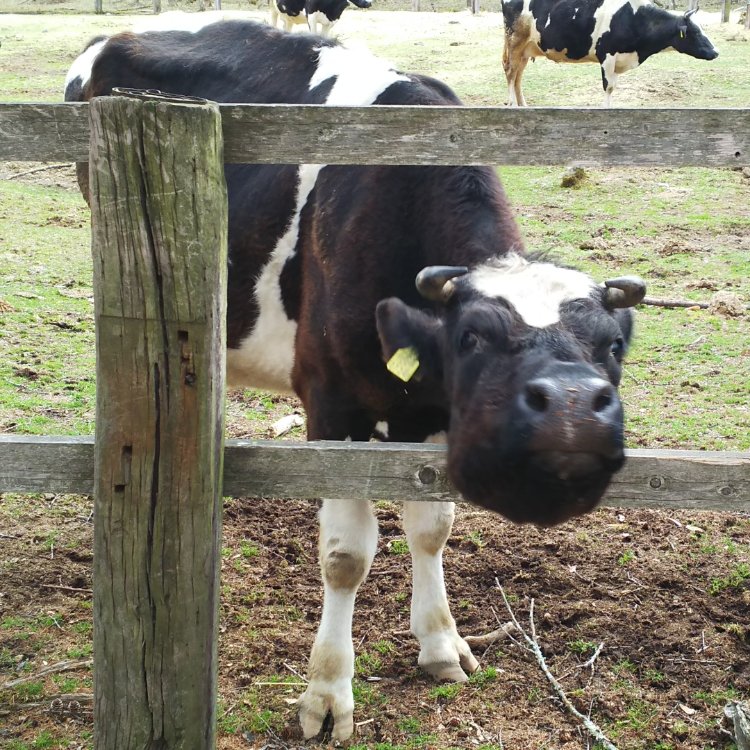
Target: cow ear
(409, 339)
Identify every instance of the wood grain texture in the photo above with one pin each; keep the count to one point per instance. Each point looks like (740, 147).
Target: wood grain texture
(44, 132)
(288, 134)
(660, 479)
(159, 217)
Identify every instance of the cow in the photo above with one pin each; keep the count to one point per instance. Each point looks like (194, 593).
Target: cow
(398, 303)
(319, 15)
(617, 34)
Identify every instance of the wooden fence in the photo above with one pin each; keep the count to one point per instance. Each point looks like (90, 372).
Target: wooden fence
(157, 466)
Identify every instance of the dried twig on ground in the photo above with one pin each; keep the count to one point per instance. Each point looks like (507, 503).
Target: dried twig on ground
(532, 646)
(62, 666)
(487, 639)
(687, 303)
(35, 170)
(66, 588)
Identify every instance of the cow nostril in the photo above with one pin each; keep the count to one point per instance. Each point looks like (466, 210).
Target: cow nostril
(603, 400)
(537, 397)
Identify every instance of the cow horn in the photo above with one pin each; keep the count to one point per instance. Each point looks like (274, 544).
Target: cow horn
(434, 282)
(689, 13)
(626, 291)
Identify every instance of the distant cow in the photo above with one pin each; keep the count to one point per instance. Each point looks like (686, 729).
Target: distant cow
(397, 302)
(319, 15)
(618, 34)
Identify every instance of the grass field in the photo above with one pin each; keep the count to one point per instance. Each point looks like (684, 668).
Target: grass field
(669, 593)
(684, 230)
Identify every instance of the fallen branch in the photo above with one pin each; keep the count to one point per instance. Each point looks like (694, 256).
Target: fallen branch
(687, 303)
(53, 703)
(62, 666)
(594, 657)
(532, 645)
(483, 641)
(35, 170)
(66, 588)
(659, 302)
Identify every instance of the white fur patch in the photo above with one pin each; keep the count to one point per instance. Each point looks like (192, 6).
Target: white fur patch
(81, 67)
(266, 356)
(360, 76)
(603, 18)
(536, 290)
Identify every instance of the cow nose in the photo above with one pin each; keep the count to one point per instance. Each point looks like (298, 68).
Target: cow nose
(594, 396)
(571, 410)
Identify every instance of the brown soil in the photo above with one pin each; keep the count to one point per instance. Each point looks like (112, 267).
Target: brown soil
(667, 595)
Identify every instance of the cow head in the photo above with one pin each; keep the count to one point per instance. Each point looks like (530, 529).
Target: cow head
(691, 40)
(528, 356)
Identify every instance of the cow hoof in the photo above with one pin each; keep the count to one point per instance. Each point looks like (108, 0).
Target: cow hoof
(445, 672)
(452, 670)
(316, 703)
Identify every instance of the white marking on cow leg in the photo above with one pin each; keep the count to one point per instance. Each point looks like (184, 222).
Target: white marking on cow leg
(443, 653)
(347, 544)
(318, 23)
(609, 75)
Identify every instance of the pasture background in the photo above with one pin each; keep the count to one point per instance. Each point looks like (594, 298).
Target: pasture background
(668, 594)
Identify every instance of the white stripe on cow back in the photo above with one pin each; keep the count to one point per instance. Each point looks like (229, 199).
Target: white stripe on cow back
(360, 76)
(536, 290)
(170, 21)
(81, 67)
(265, 357)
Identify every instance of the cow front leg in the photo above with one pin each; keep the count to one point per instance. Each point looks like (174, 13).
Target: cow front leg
(443, 653)
(347, 544)
(609, 79)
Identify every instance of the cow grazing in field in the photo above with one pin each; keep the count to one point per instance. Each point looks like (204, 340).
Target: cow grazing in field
(319, 15)
(513, 361)
(618, 34)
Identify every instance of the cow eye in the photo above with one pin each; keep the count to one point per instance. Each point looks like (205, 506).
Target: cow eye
(617, 348)
(468, 340)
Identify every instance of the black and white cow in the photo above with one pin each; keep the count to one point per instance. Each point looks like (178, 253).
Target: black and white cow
(512, 360)
(618, 34)
(319, 15)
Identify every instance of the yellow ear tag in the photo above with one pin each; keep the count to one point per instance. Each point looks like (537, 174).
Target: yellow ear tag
(682, 34)
(404, 363)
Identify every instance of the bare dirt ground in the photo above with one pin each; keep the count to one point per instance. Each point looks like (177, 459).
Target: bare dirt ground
(666, 595)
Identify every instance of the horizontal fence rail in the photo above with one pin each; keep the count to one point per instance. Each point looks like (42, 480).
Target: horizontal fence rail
(296, 134)
(662, 479)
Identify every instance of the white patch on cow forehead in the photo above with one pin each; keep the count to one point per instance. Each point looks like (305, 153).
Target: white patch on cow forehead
(360, 76)
(536, 290)
(81, 67)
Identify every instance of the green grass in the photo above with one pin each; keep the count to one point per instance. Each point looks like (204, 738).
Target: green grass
(47, 340)
(681, 230)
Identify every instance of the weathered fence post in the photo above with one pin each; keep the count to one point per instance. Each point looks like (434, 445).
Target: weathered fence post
(159, 216)
(726, 11)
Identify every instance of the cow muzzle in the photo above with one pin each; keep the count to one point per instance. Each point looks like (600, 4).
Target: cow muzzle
(570, 412)
(574, 422)
(555, 456)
